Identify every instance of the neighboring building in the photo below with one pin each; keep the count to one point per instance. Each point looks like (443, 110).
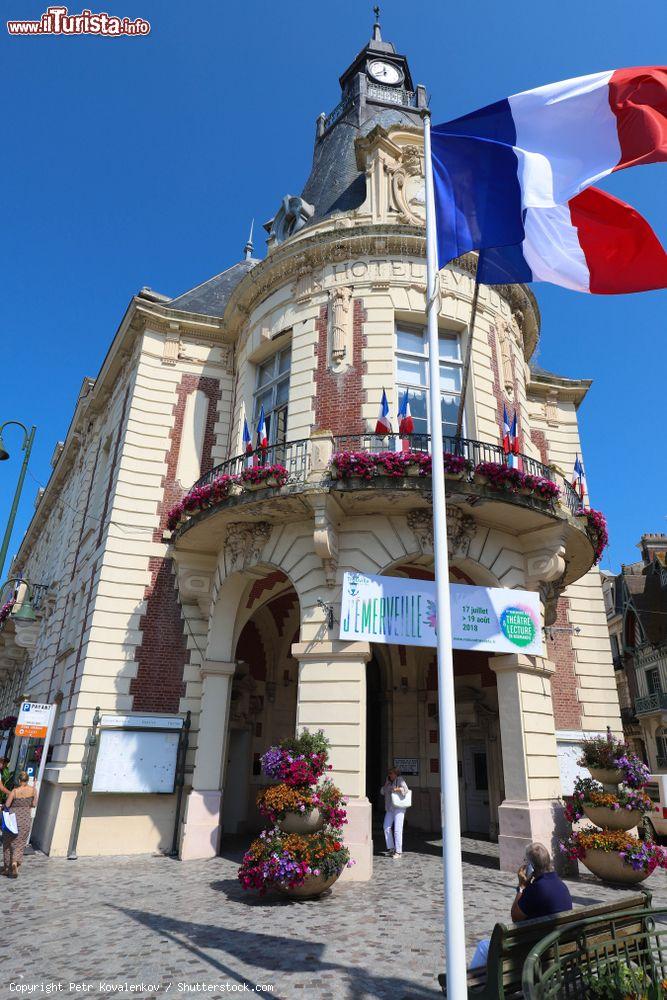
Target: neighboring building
(223, 616)
(636, 602)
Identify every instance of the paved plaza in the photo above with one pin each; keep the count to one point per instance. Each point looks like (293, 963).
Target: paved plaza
(100, 923)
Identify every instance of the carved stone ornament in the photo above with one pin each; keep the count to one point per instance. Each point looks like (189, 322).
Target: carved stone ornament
(325, 535)
(461, 530)
(505, 337)
(420, 523)
(407, 187)
(340, 311)
(244, 544)
(292, 216)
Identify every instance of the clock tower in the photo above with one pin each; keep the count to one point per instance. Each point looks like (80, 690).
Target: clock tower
(376, 89)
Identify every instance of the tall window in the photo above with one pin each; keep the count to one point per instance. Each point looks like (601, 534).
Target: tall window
(412, 374)
(653, 681)
(272, 392)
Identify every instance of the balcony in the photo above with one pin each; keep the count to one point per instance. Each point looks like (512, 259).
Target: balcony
(392, 475)
(656, 702)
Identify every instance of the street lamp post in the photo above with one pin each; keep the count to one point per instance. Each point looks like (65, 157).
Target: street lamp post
(28, 438)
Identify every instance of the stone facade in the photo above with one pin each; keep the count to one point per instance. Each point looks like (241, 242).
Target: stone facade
(227, 617)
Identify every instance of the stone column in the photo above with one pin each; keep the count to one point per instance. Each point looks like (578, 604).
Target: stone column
(332, 696)
(201, 833)
(532, 809)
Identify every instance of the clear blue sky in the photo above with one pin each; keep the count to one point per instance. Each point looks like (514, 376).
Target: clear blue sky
(141, 161)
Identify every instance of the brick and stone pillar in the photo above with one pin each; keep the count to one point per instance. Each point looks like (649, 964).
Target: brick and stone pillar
(531, 810)
(332, 697)
(201, 833)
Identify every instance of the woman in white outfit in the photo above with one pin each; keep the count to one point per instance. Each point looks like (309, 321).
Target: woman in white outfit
(394, 816)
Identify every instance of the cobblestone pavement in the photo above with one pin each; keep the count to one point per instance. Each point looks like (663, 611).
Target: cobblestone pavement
(104, 922)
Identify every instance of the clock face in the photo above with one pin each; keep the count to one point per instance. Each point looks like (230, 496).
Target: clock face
(385, 72)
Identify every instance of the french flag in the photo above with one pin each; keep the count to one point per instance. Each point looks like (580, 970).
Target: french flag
(406, 424)
(247, 440)
(262, 439)
(510, 440)
(514, 179)
(383, 425)
(579, 480)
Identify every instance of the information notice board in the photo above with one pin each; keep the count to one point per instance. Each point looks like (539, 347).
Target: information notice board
(137, 754)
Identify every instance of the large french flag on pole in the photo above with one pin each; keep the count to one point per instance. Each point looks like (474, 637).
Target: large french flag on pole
(514, 179)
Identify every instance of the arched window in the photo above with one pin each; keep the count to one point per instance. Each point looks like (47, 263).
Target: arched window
(661, 746)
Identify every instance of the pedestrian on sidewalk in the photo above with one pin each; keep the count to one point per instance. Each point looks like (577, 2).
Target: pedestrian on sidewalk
(19, 802)
(396, 800)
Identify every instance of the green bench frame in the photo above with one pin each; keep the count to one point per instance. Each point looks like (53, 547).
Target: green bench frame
(512, 943)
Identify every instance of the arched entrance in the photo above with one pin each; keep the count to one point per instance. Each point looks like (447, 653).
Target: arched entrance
(402, 729)
(263, 697)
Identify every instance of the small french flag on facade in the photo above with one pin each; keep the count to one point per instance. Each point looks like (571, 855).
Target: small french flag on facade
(247, 440)
(383, 425)
(406, 424)
(507, 447)
(579, 480)
(262, 439)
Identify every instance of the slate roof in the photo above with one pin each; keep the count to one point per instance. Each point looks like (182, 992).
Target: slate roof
(648, 593)
(211, 297)
(335, 182)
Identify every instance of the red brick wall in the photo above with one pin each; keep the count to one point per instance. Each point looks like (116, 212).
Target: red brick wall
(163, 652)
(339, 397)
(567, 708)
(539, 439)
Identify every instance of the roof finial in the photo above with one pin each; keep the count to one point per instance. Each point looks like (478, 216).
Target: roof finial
(377, 36)
(248, 248)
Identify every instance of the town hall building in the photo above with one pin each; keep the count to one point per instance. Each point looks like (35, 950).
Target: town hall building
(227, 607)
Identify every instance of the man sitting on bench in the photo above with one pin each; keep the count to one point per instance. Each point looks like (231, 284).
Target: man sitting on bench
(540, 892)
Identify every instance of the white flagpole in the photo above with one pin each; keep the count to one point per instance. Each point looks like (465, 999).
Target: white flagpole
(449, 776)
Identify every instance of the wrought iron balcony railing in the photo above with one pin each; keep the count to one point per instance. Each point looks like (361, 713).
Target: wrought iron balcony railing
(474, 451)
(651, 703)
(295, 456)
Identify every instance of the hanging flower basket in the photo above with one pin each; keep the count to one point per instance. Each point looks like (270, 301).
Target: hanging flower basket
(596, 529)
(202, 497)
(353, 465)
(260, 477)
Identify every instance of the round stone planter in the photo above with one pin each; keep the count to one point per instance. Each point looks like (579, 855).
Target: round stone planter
(455, 476)
(302, 822)
(612, 819)
(413, 470)
(609, 867)
(314, 885)
(606, 775)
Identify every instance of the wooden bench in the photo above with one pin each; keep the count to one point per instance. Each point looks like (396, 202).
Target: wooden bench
(511, 943)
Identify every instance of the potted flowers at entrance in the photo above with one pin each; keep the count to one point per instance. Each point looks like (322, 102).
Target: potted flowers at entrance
(298, 865)
(620, 810)
(614, 855)
(302, 852)
(610, 761)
